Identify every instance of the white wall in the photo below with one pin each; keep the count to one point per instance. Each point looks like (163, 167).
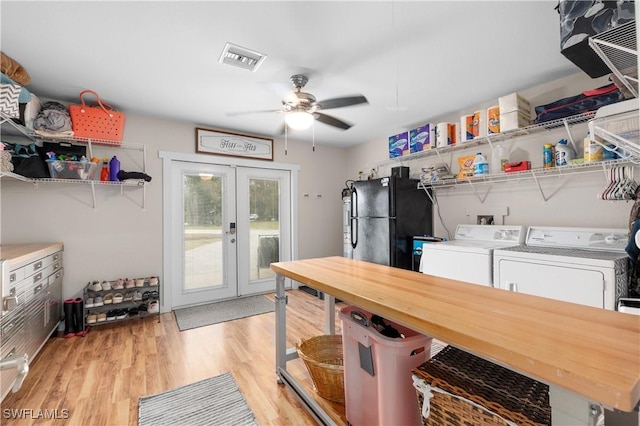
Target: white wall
(120, 239)
(562, 201)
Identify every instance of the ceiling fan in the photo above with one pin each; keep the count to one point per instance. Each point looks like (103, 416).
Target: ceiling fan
(301, 108)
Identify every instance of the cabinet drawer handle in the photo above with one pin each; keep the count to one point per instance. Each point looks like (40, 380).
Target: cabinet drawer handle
(56, 256)
(37, 289)
(10, 354)
(37, 277)
(58, 275)
(56, 265)
(37, 265)
(12, 277)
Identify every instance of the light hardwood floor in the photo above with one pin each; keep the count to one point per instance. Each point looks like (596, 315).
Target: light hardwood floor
(99, 378)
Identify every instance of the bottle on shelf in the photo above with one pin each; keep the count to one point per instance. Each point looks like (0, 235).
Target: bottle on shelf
(104, 175)
(480, 165)
(548, 157)
(498, 159)
(114, 168)
(564, 153)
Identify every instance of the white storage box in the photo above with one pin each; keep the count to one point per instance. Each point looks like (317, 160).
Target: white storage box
(513, 120)
(514, 102)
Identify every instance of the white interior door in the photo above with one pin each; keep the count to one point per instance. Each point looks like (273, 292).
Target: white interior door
(229, 224)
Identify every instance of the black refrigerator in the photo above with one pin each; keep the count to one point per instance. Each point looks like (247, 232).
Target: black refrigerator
(386, 213)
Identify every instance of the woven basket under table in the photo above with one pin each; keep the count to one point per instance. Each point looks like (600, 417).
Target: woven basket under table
(323, 358)
(500, 392)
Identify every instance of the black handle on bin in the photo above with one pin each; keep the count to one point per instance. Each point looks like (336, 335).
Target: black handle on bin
(360, 317)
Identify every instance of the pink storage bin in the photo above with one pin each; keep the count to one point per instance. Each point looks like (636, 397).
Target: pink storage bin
(377, 371)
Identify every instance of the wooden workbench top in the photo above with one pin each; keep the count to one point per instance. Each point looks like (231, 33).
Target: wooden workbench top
(21, 254)
(591, 352)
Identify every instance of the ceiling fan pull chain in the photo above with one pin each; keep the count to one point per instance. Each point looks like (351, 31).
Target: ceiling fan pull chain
(313, 135)
(285, 138)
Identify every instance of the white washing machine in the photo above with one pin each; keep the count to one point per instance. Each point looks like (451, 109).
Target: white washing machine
(469, 256)
(580, 265)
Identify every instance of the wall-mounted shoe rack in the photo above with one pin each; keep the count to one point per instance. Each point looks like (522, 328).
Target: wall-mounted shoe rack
(9, 127)
(136, 301)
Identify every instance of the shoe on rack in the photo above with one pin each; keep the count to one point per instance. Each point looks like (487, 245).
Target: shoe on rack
(102, 317)
(137, 296)
(111, 315)
(129, 283)
(95, 286)
(142, 309)
(117, 298)
(154, 307)
(121, 314)
(150, 295)
(133, 312)
(153, 281)
(97, 301)
(118, 285)
(108, 299)
(89, 303)
(128, 297)
(92, 318)
(139, 282)
(106, 285)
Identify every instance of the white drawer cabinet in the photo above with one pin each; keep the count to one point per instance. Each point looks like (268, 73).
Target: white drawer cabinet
(31, 301)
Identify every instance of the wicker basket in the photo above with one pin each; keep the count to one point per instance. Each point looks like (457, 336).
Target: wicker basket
(323, 357)
(478, 392)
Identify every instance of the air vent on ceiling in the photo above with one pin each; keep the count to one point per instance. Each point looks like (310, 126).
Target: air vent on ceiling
(241, 57)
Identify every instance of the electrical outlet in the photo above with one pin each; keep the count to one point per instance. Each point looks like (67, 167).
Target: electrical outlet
(485, 219)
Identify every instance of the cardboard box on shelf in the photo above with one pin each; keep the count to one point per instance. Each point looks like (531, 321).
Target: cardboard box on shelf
(399, 145)
(514, 102)
(513, 120)
(422, 138)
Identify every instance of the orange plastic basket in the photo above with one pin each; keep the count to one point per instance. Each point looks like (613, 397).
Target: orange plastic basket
(96, 122)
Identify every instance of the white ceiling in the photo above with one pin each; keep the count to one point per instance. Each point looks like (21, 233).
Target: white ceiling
(161, 58)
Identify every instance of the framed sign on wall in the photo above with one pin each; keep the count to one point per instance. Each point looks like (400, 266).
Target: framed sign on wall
(220, 142)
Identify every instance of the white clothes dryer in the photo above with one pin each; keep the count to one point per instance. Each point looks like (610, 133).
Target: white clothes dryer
(469, 256)
(588, 266)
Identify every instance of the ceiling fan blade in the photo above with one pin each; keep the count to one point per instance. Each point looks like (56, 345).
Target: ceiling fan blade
(234, 114)
(331, 121)
(342, 102)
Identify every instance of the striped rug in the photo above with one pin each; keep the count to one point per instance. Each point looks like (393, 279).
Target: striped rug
(214, 401)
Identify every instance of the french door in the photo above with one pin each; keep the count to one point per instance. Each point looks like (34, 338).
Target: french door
(228, 224)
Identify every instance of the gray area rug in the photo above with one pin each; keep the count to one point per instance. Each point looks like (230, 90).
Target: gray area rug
(213, 313)
(214, 401)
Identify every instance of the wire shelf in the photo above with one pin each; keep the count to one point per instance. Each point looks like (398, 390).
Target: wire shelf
(618, 49)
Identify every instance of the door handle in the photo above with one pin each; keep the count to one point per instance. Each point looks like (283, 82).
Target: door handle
(354, 232)
(232, 228)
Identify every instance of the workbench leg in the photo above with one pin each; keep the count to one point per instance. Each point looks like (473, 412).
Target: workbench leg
(570, 409)
(329, 314)
(281, 326)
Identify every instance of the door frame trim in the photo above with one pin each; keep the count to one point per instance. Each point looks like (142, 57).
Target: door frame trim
(167, 158)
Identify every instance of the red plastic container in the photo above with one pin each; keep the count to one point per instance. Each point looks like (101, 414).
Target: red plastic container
(377, 371)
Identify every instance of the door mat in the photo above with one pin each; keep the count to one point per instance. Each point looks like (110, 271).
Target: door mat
(213, 401)
(228, 310)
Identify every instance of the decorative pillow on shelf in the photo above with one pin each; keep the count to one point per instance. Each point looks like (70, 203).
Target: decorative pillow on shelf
(9, 95)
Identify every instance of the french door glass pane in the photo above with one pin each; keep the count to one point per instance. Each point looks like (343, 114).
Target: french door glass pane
(203, 251)
(264, 226)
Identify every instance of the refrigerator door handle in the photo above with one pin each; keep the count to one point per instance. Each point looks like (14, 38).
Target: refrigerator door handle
(354, 232)
(354, 203)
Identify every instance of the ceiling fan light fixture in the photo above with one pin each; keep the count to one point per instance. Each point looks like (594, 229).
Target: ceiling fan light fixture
(298, 120)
